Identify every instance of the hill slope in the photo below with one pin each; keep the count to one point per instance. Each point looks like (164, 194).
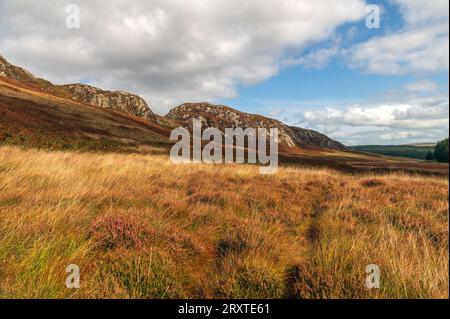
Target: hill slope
(86, 94)
(218, 116)
(222, 117)
(410, 151)
(36, 119)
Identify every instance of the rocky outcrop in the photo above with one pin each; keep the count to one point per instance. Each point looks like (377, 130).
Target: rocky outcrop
(309, 137)
(20, 75)
(86, 94)
(120, 101)
(222, 117)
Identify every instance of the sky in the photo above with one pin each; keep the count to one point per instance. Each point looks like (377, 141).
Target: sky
(314, 64)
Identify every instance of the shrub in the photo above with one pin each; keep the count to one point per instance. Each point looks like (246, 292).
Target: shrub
(112, 232)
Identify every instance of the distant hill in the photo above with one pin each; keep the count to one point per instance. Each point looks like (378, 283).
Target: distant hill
(416, 151)
(222, 117)
(429, 144)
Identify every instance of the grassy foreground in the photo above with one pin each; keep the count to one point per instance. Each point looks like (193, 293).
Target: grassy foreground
(141, 227)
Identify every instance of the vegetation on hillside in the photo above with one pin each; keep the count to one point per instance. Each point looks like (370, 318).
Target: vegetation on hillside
(141, 227)
(408, 151)
(423, 152)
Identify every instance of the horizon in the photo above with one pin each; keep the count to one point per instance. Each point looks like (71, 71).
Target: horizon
(326, 71)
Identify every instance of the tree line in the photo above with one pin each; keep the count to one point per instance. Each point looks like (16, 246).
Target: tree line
(440, 153)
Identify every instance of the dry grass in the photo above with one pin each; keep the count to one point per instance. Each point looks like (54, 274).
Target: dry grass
(141, 227)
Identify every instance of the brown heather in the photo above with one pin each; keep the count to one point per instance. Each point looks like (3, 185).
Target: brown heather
(141, 227)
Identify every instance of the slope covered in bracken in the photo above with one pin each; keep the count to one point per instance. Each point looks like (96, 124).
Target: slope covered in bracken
(35, 119)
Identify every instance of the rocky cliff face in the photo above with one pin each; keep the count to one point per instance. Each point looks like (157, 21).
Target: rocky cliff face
(120, 101)
(224, 117)
(20, 75)
(309, 137)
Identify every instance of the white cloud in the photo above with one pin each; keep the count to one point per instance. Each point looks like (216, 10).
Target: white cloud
(316, 59)
(429, 112)
(422, 46)
(422, 86)
(418, 12)
(398, 135)
(167, 50)
(405, 119)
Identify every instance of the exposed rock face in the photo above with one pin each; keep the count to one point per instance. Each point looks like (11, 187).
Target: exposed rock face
(121, 101)
(20, 75)
(224, 117)
(310, 137)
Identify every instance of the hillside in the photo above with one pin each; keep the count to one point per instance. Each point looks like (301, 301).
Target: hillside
(82, 93)
(418, 151)
(34, 119)
(222, 117)
(218, 116)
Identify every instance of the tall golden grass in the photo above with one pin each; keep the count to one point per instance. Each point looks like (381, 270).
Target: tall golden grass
(141, 227)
